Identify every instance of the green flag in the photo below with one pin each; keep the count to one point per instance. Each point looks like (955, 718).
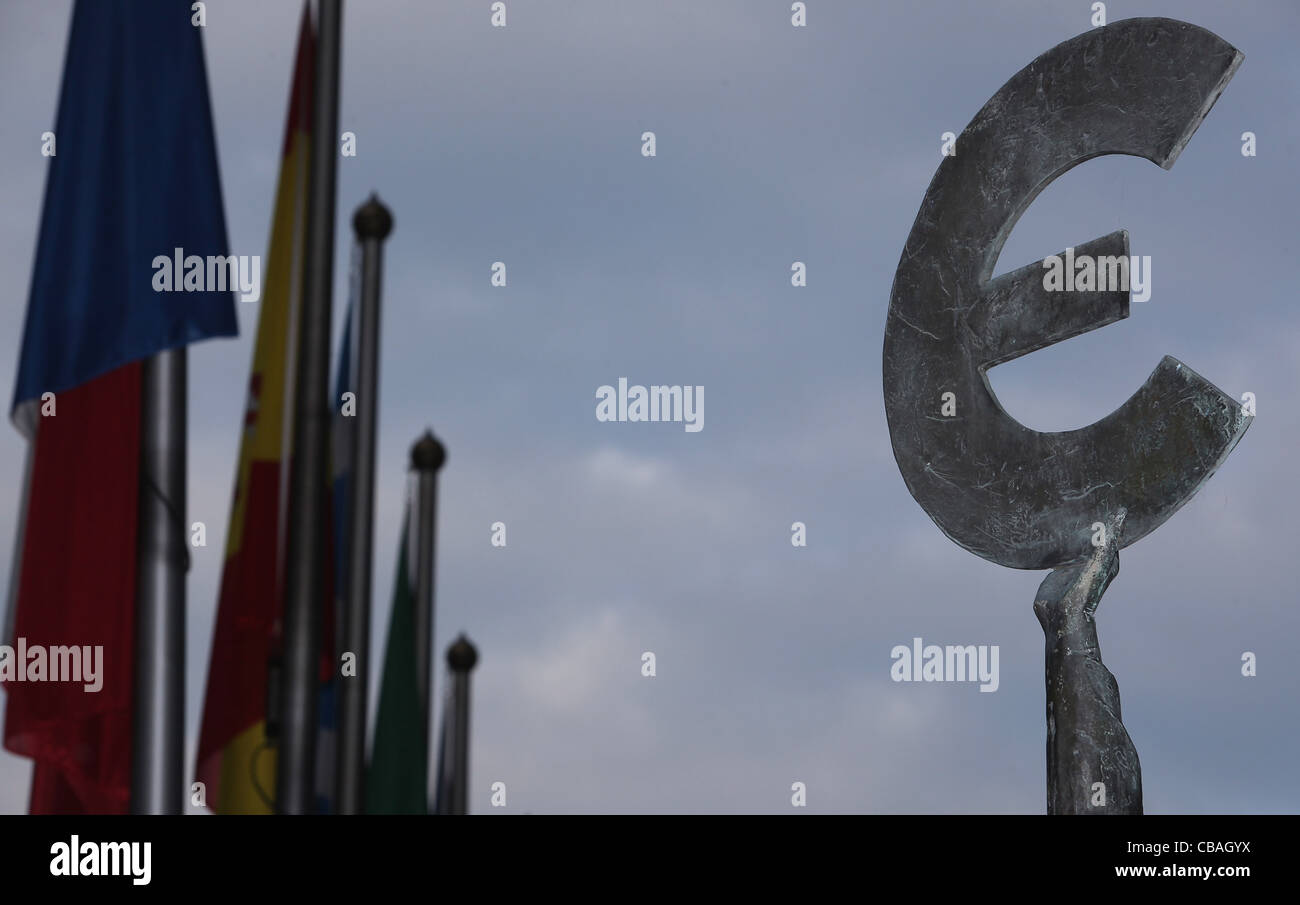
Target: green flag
(397, 781)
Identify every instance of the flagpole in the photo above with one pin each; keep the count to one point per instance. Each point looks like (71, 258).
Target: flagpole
(309, 475)
(372, 223)
(461, 657)
(16, 563)
(162, 559)
(427, 457)
(441, 792)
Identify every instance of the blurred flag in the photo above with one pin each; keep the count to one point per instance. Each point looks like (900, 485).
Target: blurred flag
(342, 453)
(236, 760)
(134, 176)
(398, 776)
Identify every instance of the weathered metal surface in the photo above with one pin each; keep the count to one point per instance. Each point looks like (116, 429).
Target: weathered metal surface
(1015, 496)
(1092, 766)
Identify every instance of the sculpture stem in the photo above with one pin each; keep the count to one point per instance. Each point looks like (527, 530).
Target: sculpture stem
(1092, 766)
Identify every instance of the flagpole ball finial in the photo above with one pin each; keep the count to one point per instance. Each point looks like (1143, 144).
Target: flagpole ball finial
(462, 656)
(372, 220)
(427, 454)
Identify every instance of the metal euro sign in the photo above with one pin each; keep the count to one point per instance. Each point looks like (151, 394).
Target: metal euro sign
(1015, 496)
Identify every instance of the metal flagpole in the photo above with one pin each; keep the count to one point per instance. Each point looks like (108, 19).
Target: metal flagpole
(441, 769)
(162, 558)
(309, 475)
(461, 657)
(427, 457)
(372, 223)
(16, 563)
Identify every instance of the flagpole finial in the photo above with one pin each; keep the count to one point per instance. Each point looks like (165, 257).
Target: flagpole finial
(372, 220)
(462, 656)
(427, 454)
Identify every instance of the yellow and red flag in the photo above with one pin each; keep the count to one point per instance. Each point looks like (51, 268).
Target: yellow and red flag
(236, 762)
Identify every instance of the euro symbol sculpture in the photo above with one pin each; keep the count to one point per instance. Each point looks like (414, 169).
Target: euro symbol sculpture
(1029, 499)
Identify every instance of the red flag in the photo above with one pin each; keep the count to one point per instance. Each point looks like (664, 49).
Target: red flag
(77, 587)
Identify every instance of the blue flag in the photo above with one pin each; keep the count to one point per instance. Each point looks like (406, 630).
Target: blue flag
(134, 177)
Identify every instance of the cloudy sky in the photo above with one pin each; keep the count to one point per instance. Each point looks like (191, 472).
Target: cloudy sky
(774, 144)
